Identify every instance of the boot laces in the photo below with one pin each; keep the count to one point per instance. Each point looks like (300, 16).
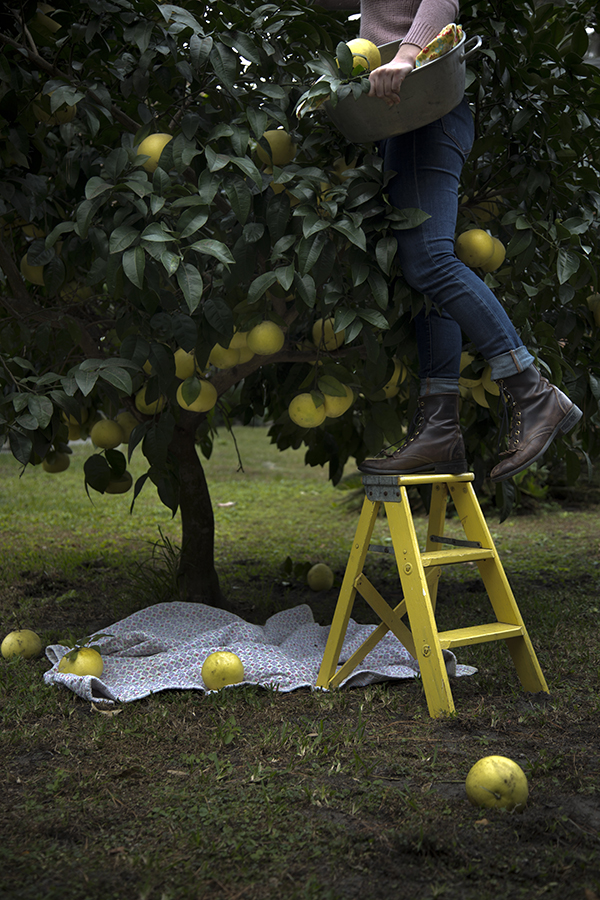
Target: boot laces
(510, 422)
(414, 429)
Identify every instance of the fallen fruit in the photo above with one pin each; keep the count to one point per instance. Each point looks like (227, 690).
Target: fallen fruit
(82, 661)
(221, 668)
(23, 643)
(320, 577)
(497, 781)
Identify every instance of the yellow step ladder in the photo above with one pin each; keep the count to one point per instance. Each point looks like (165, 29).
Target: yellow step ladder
(419, 574)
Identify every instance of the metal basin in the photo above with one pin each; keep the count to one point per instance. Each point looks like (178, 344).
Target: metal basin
(427, 94)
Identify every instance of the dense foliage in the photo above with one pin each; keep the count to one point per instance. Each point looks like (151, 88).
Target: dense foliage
(138, 263)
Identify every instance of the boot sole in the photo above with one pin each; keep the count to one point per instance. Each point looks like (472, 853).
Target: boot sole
(565, 425)
(456, 467)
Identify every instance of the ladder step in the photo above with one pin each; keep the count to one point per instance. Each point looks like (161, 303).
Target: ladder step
(458, 555)
(479, 634)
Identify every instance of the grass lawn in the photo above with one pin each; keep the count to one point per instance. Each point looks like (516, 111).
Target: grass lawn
(252, 794)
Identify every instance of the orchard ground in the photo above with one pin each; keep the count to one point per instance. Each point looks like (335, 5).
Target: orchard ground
(252, 794)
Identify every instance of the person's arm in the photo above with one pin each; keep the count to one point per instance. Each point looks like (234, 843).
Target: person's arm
(431, 17)
(386, 80)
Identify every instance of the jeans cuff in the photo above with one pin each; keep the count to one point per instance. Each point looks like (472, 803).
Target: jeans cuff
(439, 386)
(511, 363)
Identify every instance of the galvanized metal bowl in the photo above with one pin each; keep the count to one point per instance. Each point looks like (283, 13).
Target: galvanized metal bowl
(426, 95)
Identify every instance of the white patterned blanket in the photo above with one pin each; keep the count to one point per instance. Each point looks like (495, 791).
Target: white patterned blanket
(163, 647)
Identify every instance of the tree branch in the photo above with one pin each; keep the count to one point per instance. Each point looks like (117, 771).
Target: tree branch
(23, 306)
(123, 118)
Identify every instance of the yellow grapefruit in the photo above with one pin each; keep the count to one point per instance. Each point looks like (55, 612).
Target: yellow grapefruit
(320, 577)
(337, 406)
(153, 146)
(304, 412)
(325, 337)
(365, 55)
(34, 274)
(220, 669)
(265, 338)
(128, 422)
(107, 434)
(281, 145)
(23, 643)
(205, 400)
(497, 781)
(149, 409)
(82, 661)
(56, 462)
(120, 484)
(497, 258)
(223, 358)
(474, 247)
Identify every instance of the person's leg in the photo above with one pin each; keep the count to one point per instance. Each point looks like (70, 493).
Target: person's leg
(428, 163)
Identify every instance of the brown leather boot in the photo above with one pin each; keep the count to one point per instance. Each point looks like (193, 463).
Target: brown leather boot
(538, 412)
(435, 443)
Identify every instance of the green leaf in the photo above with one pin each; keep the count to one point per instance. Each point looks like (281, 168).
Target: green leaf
(373, 317)
(355, 235)
(309, 251)
(200, 48)
(225, 64)
(95, 187)
(86, 381)
(84, 216)
(217, 249)
(191, 221)
(97, 472)
(567, 264)
(404, 219)
(260, 285)
(218, 315)
(170, 261)
(331, 386)
(115, 163)
(156, 232)
(285, 276)
(385, 253)
(190, 281)
(119, 378)
(121, 238)
(41, 408)
(134, 264)
(240, 198)
(20, 445)
(248, 167)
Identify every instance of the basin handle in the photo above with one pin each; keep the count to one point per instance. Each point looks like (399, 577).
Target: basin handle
(476, 43)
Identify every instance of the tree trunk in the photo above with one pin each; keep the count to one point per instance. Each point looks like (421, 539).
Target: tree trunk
(198, 579)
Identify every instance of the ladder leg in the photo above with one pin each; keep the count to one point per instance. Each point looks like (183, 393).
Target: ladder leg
(341, 616)
(419, 607)
(498, 588)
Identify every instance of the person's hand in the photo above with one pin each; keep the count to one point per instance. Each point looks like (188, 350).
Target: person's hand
(386, 80)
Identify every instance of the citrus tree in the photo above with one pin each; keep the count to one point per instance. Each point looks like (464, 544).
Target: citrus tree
(179, 249)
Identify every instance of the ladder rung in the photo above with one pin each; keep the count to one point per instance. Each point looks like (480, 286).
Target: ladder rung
(458, 555)
(479, 634)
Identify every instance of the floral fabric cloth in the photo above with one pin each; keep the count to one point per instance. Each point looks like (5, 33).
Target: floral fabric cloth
(446, 40)
(163, 648)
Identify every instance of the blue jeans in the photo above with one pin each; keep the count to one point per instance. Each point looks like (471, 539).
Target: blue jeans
(428, 163)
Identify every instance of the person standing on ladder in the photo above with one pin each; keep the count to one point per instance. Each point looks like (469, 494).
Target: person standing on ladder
(428, 163)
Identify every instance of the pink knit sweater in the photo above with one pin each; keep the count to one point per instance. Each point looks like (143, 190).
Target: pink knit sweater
(413, 21)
